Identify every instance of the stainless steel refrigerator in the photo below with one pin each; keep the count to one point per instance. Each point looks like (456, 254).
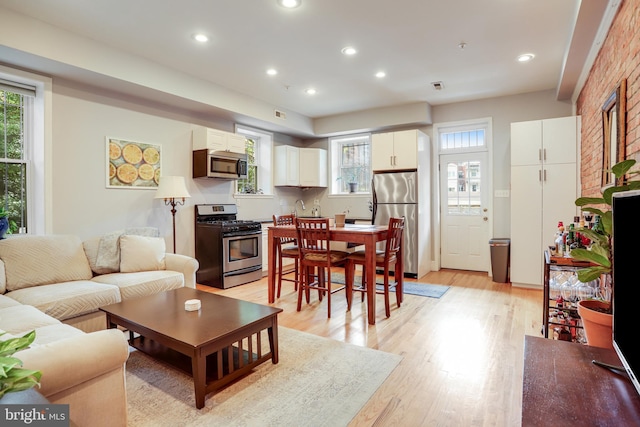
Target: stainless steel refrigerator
(395, 194)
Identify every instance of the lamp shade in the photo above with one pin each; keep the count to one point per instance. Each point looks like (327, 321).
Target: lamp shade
(172, 187)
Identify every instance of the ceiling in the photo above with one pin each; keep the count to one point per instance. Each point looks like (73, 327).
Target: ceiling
(416, 42)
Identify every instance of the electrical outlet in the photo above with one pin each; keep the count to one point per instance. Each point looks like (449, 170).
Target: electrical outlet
(316, 202)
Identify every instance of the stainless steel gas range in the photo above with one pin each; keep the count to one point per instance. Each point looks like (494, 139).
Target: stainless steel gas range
(229, 250)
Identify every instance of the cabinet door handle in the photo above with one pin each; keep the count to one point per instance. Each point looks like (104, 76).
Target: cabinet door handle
(539, 175)
(544, 154)
(544, 176)
(540, 154)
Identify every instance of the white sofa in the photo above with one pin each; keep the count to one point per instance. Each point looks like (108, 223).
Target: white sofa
(55, 285)
(63, 277)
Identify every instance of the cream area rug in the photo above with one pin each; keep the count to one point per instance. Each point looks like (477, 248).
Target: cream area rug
(317, 382)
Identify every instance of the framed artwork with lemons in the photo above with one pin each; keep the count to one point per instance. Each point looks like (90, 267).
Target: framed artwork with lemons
(132, 164)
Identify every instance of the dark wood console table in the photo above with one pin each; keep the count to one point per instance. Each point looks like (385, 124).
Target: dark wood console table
(562, 387)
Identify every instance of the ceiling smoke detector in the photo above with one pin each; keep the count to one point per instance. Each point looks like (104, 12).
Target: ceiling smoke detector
(437, 85)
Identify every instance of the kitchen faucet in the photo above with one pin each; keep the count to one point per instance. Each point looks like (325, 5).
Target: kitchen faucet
(295, 206)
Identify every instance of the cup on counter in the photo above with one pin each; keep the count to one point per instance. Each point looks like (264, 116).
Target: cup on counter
(332, 222)
(340, 218)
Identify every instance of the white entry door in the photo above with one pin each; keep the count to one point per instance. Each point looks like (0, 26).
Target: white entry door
(465, 210)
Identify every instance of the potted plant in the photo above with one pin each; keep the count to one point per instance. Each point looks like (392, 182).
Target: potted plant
(7, 226)
(596, 314)
(351, 179)
(13, 378)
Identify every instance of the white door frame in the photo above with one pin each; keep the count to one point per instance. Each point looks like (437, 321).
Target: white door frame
(459, 125)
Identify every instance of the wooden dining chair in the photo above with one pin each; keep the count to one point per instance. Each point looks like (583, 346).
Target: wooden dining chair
(315, 253)
(384, 259)
(287, 247)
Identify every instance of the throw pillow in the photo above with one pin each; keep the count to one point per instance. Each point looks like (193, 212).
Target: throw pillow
(141, 253)
(41, 260)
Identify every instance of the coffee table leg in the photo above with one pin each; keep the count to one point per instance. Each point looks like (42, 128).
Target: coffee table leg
(273, 340)
(199, 368)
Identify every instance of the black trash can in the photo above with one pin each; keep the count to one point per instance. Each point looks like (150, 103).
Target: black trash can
(500, 259)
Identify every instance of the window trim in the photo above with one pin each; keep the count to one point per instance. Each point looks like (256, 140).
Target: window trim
(334, 176)
(38, 150)
(462, 126)
(265, 169)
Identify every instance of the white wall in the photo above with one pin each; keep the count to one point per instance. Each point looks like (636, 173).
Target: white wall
(83, 117)
(503, 111)
(82, 205)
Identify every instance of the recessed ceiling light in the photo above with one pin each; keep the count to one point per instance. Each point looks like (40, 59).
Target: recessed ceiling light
(202, 38)
(290, 4)
(349, 50)
(310, 91)
(381, 74)
(526, 57)
(272, 71)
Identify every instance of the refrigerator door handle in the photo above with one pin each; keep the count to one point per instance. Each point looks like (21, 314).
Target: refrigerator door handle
(374, 204)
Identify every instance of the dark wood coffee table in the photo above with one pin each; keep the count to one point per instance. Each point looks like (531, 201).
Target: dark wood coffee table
(217, 344)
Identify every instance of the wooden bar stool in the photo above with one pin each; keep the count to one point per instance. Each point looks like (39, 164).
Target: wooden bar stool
(287, 247)
(384, 259)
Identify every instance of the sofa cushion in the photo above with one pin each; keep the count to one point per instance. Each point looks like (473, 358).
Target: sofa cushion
(20, 319)
(139, 284)
(3, 278)
(68, 299)
(91, 251)
(51, 333)
(141, 253)
(5, 301)
(41, 260)
(108, 253)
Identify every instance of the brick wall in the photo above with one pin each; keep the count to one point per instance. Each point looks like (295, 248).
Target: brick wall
(619, 58)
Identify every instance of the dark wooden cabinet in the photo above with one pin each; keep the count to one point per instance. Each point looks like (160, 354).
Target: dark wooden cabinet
(562, 387)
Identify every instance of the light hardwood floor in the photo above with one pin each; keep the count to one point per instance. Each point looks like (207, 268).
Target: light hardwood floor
(462, 354)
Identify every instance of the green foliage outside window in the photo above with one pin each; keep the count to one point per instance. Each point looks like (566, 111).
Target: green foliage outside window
(249, 185)
(13, 168)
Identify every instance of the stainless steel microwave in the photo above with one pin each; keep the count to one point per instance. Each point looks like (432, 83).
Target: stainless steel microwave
(219, 164)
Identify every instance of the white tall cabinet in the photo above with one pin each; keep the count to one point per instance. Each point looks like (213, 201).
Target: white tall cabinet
(543, 191)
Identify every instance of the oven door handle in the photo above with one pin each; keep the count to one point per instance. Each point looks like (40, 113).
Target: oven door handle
(241, 233)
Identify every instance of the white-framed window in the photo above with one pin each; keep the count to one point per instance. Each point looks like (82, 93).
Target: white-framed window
(24, 152)
(463, 138)
(350, 164)
(259, 155)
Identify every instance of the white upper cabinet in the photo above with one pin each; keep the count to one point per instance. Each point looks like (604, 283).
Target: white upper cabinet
(300, 167)
(313, 167)
(218, 140)
(550, 141)
(395, 150)
(287, 166)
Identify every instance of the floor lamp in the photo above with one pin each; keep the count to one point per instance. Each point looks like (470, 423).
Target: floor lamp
(171, 189)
